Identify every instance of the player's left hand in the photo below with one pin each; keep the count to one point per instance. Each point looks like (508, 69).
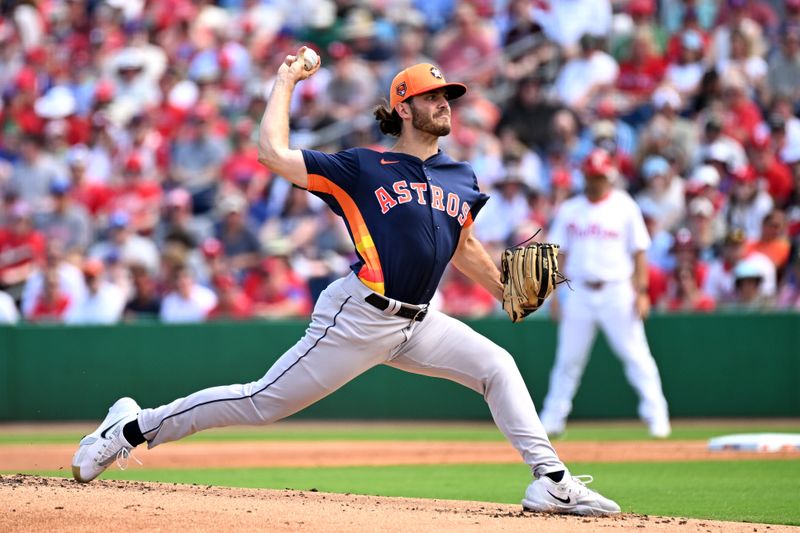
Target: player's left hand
(642, 305)
(529, 275)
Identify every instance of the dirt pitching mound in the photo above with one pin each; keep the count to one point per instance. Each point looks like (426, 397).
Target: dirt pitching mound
(30, 503)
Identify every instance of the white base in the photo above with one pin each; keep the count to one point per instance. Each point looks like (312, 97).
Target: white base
(757, 442)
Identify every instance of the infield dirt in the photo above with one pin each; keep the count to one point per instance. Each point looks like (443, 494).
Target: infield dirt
(30, 503)
(34, 504)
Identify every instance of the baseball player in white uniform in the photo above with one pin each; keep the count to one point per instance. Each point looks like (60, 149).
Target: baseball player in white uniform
(603, 241)
(409, 212)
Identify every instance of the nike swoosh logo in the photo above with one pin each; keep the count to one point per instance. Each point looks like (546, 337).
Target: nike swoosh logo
(385, 162)
(562, 500)
(103, 434)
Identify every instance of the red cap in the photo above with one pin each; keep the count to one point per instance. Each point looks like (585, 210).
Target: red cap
(607, 108)
(746, 174)
(36, 55)
(270, 264)
(104, 91)
(225, 58)
(134, 163)
(211, 247)
(26, 80)
(419, 79)
(599, 163)
(561, 179)
(204, 111)
(338, 50)
(641, 7)
(760, 141)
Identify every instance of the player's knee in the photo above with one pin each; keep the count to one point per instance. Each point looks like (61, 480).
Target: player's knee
(502, 366)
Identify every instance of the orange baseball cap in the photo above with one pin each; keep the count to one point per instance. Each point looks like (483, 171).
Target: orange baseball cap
(419, 79)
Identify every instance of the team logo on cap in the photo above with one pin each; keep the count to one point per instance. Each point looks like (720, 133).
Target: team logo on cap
(401, 89)
(436, 73)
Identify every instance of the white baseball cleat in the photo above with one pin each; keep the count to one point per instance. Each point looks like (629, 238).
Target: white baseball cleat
(100, 448)
(660, 429)
(569, 496)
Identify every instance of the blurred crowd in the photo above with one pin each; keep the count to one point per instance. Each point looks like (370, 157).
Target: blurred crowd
(128, 130)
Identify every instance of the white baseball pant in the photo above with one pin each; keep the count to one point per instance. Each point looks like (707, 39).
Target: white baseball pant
(612, 308)
(346, 337)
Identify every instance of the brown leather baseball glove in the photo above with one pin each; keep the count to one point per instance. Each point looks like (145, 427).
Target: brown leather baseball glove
(529, 275)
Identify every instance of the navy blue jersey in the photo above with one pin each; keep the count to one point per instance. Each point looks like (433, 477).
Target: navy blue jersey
(404, 215)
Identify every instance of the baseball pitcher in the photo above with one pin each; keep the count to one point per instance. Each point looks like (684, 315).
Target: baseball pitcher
(409, 212)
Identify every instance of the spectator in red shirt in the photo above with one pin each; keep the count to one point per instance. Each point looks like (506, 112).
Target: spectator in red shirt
(470, 44)
(642, 71)
(20, 107)
(686, 294)
(137, 196)
(276, 290)
(21, 248)
(52, 304)
(462, 297)
(94, 196)
(657, 283)
(741, 115)
(148, 146)
(241, 171)
(776, 174)
(232, 303)
(690, 23)
(686, 254)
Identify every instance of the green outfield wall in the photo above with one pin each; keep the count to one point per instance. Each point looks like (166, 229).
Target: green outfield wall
(711, 365)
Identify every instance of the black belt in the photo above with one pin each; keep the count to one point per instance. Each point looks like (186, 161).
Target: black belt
(406, 311)
(594, 285)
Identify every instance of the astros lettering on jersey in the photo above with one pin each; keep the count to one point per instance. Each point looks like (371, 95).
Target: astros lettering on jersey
(404, 215)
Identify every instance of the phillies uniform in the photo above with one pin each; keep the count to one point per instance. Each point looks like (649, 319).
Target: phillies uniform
(405, 218)
(599, 240)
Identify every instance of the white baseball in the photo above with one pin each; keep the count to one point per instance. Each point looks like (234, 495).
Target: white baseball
(310, 59)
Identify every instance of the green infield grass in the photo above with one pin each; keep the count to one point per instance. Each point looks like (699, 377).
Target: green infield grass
(750, 491)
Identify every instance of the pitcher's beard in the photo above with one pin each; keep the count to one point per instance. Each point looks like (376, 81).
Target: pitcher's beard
(427, 125)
